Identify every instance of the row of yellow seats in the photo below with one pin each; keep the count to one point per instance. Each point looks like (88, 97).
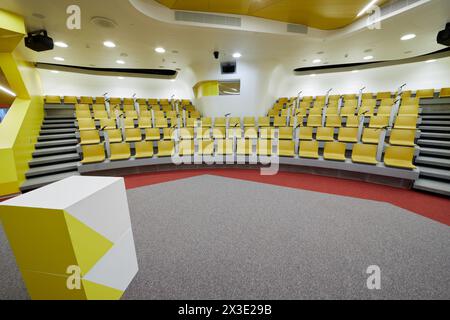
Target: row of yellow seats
(398, 137)
(98, 115)
(101, 100)
(130, 107)
(394, 156)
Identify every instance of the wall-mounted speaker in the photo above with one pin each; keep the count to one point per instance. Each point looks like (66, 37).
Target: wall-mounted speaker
(443, 36)
(228, 67)
(39, 41)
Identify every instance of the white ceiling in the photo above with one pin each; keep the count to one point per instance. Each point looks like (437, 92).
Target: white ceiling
(137, 35)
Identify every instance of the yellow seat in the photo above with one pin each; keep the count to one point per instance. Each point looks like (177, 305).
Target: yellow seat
(220, 122)
(371, 135)
(128, 107)
(379, 122)
(348, 135)
(155, 108)
(332, 111)
(367, 96)
(142, 108)
(133, 135)
(158, 114)
(166, 148)
(169, 134)
(186, 148)
(387, 102)
(219, 133)
(285, 133)
(352, 121)
(186, 133)
(444, 93)
(53, 99)
(318, 105)
(206, 147)
(402, 137)
(146, 114)
(425, 93)
(161, 123)
(249, 121)
(412, 110)
(144, 122)
(368, 102)
(114, 135)
(350, 102)
(348, 111)
(234, 122)
(131, 115)
(86, 124)
(309, 149)
(204, 133)
(82, 107)
(351, 96)
(384, 95)
(142, 101)
(333, 121)
(325, 134)
(163, 101)
(286, 148)
(152, 134)
(143, 149)
(83, 114)
(410, 101)
(273, 113)
(100, 100)
(194, 114)
(366, 111)
(315, 111)
(172, 114)
(365, 153)
(192, 122)
(399, 157)
(152, 101)
(264, 147)
(407, 94)
(299, 121)
(108, 123)
(86, 100)
(128, 101)
(98, 115)
(98, 107)
(224, 146)
(250, 133)
(334, 98)
(93, 153)
(267, 133)
(120, 151)
(406, 122)
(115, 101)
(128, 123)
(305, 133)
(279, 121)
(244, 147)
(384, 111)
(314, 121)
(206, 122)
(264, 122)
(235, 132)
(89, 137)
(334, 151)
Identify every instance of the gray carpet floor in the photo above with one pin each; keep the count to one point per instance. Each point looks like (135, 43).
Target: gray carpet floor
(211, 237)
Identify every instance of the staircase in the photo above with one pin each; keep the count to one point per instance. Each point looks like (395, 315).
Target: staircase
(55, 156)
(434, 158)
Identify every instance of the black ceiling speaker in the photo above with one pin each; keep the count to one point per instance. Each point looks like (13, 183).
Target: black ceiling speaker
(443, 36)
(39, 41)
(228, 67)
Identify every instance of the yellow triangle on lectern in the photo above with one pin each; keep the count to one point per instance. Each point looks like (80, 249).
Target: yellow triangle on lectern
(89, 246)
(95, 291)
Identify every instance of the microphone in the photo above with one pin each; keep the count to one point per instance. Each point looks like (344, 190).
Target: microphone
(228, 114)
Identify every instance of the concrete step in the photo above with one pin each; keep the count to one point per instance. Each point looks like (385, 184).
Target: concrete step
(443, 136)
(54, 151)
(57, 137)
(34, 183)
(59, 121)
(56, 143)
(435, 152)
(434, 128)
(440, 117)
(57, 131)
(434, 186)
(59, 117)
(433, 161)
(52, 169)
(435, 173)
(435, 143)
(435, 123)
(57, 126)
(48, 160)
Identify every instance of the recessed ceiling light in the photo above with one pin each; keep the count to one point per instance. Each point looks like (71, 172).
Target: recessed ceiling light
(368, 57)
(317, 61)
(58, 59)
(313, 75)
(61, 44)
(430, 61)
(173, 80)
(54, 71)
(109, 44)
(366, 8)
(7, 91)
(237, 55)
(160, 50)
(120, 62)
(408, 37)
(355, 71)
(120, 78)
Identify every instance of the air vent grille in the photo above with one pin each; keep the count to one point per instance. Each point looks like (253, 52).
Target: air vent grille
(395, 5)
(208, 18)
